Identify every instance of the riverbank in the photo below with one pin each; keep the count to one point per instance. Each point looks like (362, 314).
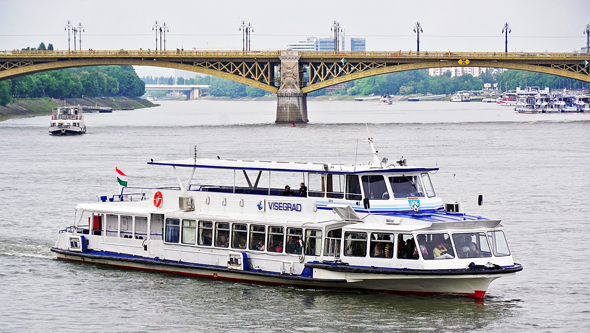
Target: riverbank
(30, 107)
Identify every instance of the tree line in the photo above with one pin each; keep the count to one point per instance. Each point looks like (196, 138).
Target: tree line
(94, 81)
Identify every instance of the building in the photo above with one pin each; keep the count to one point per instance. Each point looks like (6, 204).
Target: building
(460, 71)
(327, 44)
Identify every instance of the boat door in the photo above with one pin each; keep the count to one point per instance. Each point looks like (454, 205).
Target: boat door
(332, 243)
(156, 231)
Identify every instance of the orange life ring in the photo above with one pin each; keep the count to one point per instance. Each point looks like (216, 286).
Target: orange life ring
(158, 199)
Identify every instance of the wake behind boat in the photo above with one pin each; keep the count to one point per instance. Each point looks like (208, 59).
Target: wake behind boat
(376, 227)
(67, 120)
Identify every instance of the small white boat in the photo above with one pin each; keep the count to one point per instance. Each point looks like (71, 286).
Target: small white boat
(67, 120)
(385, 99)
(377, 227)
(507, 99)
(461, 97)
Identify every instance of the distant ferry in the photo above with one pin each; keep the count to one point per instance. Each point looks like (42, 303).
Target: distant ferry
(377, 226)
(67, 120)
(461, 96)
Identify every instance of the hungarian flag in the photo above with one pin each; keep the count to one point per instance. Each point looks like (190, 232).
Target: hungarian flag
(121, 177)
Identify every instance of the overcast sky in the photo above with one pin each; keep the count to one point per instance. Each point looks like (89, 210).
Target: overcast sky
(541, 25)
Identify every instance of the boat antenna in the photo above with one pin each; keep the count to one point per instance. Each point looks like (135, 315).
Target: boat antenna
(356, 152)
(456, 191)
(375, 152)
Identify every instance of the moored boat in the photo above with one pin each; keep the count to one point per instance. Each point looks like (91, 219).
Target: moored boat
(67, 120)
(461, 96)
(377, 226)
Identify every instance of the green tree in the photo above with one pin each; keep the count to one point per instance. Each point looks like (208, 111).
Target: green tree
(5, 96)
(41, 47)
(50, 47)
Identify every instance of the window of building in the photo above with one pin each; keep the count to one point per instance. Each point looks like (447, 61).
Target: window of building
(381, 245)
(406, 186)
(355, 244)
(275, 239)
(498, 243)
(239, 236)
(189, 231)
(313, 242)
(172, 230)
(375, 188)
(205, 233)
(406, 247)
(222, 234)
(257, 235)
(294, 236)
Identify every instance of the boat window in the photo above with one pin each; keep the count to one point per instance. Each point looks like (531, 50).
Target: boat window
(381, 245)
(140, 227)
(295, 235)
(96, 225)
(375, 188)
(257, 235)
(335, 186)
(313, 242)
(472, 245)
(205, 232)
(428, 185)
(156, 226)
(406, 186)
(126, 226)
(438, 246)
(189, 232)
(315, 186)
(239, 236)
(172, 230)
(112, 225)
(275, 239)
(355, 244)
(498, 243)
(332, 243)
(353, 188)
(221, 234)
(406, 247)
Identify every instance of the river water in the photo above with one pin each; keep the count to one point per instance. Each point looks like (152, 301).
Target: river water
(531, 170)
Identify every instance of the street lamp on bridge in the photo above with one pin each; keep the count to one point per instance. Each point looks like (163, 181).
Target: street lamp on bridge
(69, 28)
(163, 30)
(418, 30)
(337, 31)
(156, 27)
(80, 31)
(587, 32)
(506, 30)
(243, 30)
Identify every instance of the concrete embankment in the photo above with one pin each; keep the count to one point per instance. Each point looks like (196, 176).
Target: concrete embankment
(30, 107)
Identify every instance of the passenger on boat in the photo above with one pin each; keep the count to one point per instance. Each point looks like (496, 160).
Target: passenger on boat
(260, 246)
(207, 239)
(401, 249)
(293, 246)
(280, 247)
(302, 190)
(242, 244)
(287, 191)
(466, 248)
(223, 242)
(441, 252)
(378, 251)
(421, 241)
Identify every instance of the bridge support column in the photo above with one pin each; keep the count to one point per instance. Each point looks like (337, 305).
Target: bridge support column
(291, 102)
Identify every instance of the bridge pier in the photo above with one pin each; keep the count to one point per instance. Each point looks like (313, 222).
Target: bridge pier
(291, 102)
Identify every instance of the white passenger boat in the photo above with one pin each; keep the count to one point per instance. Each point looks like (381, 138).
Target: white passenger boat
(385, 100)
(377, 227)
(461, 96)
(67, 120)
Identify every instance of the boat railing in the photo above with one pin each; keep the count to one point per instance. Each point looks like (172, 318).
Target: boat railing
(133, 194)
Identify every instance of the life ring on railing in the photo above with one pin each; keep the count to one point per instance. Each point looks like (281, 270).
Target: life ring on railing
(158, 199)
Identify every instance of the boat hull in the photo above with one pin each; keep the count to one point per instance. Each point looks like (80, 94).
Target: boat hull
(67, 131)
(472, 283)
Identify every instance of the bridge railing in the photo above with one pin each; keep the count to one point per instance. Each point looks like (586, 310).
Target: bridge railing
(138, 53)
(439, 55)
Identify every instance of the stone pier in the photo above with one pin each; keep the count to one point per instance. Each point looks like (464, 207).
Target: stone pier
(291, 102)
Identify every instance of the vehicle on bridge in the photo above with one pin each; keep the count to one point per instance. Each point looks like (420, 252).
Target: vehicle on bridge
(67, 120)
(376, 227)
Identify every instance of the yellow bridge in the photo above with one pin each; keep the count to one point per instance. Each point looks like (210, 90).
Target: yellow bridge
(292, 74)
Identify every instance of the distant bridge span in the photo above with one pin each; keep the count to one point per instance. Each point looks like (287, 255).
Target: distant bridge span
(292, 74)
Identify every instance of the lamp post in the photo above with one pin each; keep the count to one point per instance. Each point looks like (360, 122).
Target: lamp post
(69, 28)
(163, 30)
(74, 32)
(156, 27)
(418, 30)
(337, 31)
(243, 30)
(249, 30)
(80, 31)
(506, 30)
(587, 32)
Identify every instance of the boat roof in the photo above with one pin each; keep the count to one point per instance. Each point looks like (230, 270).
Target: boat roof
(289, 166)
